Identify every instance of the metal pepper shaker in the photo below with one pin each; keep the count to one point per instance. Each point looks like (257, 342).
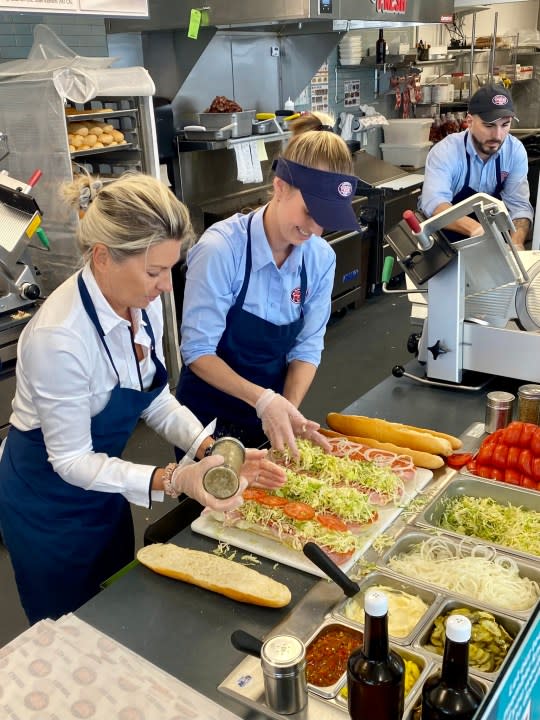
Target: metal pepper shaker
(283, 660)
(223, 481)
(499, 408)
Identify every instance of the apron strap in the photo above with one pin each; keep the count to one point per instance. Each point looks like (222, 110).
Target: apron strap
(92, 314)
(468, 157)
(242, 294)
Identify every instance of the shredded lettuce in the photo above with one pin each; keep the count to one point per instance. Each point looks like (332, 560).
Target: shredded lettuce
(508, 525)
(343, 471)
(295, 532)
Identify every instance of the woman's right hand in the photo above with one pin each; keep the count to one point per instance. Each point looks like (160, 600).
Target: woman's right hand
(188, 479)
(282, 422)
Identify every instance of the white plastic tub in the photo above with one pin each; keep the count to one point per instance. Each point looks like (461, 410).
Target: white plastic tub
(413, 155)
(407, 132)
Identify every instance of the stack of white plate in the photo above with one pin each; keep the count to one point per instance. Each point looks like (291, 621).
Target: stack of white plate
(350, 49)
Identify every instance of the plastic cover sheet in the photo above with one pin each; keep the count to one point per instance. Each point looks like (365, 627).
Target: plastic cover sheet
(32, 94)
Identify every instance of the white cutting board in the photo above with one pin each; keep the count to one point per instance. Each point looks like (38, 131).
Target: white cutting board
(275, 550)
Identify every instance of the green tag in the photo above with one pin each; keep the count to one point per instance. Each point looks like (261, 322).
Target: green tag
(194, 24)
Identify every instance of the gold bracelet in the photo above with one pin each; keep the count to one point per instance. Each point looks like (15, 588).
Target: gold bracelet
(168, 487)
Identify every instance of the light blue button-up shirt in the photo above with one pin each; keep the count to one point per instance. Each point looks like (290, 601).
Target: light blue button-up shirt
(446, 169)
(216, 267)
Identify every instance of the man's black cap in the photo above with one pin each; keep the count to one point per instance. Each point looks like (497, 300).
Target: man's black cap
(491, 102)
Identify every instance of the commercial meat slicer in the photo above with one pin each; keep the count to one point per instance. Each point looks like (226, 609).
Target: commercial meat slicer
(20, 219)
(483, 296)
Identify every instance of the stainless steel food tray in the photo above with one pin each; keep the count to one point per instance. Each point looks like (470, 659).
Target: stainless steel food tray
(412, 537)
(430, 597)
(101, 151)
(475, 487)
(511, 624)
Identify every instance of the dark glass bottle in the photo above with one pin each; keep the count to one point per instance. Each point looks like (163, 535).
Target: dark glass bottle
(380, 48)
(451, 694)
(375, 674)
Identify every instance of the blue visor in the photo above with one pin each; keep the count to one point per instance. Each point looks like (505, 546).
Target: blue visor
(328, 195)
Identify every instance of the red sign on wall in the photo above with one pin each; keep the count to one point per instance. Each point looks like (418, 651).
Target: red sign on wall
(396, 7)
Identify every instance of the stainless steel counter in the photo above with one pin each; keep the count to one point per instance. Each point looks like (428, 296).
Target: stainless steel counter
(186, 630)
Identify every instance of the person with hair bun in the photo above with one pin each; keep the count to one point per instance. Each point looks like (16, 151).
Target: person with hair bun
(90, 364)
(258, 295)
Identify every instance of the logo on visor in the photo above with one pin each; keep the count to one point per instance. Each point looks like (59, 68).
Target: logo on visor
(345, 189)
(500, 100)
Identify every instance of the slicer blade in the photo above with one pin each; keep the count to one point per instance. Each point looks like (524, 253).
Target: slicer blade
(528, 301)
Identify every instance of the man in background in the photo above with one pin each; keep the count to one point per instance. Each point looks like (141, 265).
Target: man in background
(483, 158)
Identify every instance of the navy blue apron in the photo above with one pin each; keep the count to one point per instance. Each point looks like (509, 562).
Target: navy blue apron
(257, 350)
(467, 191)
(63, 540)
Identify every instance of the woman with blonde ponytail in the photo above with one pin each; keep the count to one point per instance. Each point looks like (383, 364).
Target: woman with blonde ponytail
(89, 365)
(258, 295)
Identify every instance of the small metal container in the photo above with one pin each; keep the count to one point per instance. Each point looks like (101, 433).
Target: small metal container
(499, 409)
(283, 660)
(529, 403)
(223, 481)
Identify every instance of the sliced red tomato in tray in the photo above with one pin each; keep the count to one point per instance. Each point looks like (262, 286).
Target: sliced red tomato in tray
(459, 460)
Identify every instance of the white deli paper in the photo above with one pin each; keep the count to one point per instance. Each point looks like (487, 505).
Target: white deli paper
(68, 669)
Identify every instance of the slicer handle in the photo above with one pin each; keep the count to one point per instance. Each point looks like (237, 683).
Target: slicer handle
(424, 241)
(412, 221)
(387, 269)
(36, 175)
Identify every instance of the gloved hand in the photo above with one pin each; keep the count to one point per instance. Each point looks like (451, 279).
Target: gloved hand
(282, 421)
(259, 471)
(188, 479)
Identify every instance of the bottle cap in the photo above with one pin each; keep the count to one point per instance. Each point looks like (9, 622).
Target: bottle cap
(289, 104)
(375, 603)
(458, 628)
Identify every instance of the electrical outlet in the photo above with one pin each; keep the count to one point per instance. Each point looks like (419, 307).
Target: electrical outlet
(274, 50)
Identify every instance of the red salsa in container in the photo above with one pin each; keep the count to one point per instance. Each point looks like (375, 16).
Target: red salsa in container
(328, 652)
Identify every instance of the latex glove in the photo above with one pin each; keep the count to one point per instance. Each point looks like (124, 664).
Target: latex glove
(259, 471)
(282, 422)
(188, 479)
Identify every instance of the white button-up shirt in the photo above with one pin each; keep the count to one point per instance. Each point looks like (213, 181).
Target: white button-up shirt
(64, 378)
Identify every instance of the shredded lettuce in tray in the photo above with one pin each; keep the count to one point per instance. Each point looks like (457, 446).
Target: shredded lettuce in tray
(296, 532)
(508, 525)
(338, 470)
(346, 502)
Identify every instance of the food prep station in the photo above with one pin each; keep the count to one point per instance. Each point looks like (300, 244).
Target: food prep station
(163, 617)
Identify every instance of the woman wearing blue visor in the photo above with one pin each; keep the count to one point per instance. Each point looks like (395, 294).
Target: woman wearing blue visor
(258, 296)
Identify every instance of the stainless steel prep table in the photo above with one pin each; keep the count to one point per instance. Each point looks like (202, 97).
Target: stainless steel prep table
(186, 630)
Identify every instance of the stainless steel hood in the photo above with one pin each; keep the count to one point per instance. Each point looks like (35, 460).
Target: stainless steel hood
(271, 14)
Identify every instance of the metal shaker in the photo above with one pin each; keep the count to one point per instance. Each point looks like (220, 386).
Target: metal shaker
(499, 409)
(283, 661)
(223, 481)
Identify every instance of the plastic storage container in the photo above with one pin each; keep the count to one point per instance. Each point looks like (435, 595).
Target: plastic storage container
(407, 132)
(410, 155)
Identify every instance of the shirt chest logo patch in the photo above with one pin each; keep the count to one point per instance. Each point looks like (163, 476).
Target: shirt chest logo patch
(296, 296)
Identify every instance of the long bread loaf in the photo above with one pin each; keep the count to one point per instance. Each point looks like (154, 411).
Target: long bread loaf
(215, 573)
(384, 431)
(419, 458)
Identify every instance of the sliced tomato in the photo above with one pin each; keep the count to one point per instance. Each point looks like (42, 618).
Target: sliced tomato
(471, 467)
(535, 442)
(512, 460)
(254, 494)
(332, 522)
(497, 474)
(459, 460)
(273, 501)
(484, 471)
(298, 511)
(500, 456)
(528, 482)
(512, 476)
